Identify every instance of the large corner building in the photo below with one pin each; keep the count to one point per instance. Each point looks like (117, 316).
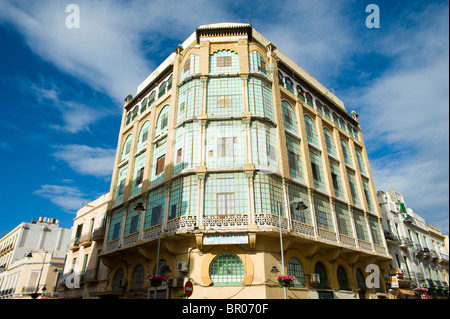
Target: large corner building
(223, 135)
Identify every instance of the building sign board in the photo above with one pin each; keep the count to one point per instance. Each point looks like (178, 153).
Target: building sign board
(225, 239)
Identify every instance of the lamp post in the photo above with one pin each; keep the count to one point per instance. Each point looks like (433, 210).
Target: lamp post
(300, 206)
(140, 208)
(30, 255)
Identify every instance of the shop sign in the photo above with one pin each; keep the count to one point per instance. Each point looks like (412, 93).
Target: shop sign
(224, 239)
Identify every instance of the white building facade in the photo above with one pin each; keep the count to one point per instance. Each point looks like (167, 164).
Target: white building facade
(416, 261)
(20, 275)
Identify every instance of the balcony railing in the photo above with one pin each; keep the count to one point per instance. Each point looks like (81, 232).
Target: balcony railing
(240, 222)
(98, 234)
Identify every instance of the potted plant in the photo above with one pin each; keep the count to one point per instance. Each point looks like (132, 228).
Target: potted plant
(420, 290)
(157, 280)
(181, 295)
(285, 280)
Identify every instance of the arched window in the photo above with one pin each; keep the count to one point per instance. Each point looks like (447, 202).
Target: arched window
(118, 280)
(320, 269)
(289, 84)
(346, 153)
(163, 121)
(162, 88)
(326, 111)
(280, 78)
(126, 147)
(138, 278)
(319, 106)
(309, 99)
(300, 92)
(227, 270)
(151, 97)
(361, 165)
(295, 269)
(143, 135)
(329, 142)
(144, 105)
(311, 133)
(360, 280)
(342, 278)
(290, 119)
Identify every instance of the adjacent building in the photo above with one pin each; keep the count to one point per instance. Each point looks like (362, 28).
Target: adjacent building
(32, 258)
(84, 274)
(420, 259)
(226, 134)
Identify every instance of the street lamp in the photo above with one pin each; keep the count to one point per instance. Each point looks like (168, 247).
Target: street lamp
(140, 208)
(30, 255)
(300, 206)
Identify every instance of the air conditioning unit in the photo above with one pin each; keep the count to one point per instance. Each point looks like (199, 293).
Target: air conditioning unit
(182, 266)
(314, 280)
(123, 283)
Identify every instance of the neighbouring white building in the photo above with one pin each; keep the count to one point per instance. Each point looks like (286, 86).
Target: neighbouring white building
(418, 250)
(32, 257)
(84, 274)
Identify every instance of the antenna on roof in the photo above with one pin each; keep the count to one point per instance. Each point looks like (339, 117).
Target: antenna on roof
(250, 18)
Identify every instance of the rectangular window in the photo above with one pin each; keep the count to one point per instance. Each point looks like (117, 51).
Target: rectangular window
(287, 116)
(224, 101)
(263, 66)
(164, 121)
(144, 136)
(315, 172)
(225, 203)
(322, 220)
(160, 164)
(335, 181)
(187, 65)
(223, 61)
(140, 177)
(225, 146)
(173, 212)
(116, 231)
(156, 215)
(179, 154)
(121, 187)
(292, 159)
(134, 224)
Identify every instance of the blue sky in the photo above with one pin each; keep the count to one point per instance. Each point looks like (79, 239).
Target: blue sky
(62, 90)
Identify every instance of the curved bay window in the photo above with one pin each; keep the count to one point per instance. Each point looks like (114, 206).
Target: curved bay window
(227, 270)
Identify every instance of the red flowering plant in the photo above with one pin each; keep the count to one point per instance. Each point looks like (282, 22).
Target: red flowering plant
(156, 280)
(420, 290)
(285, 280)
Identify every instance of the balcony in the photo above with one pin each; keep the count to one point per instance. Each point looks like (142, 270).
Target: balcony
(75, 244)
(86, 240)
(391, 237)
(241, 223)
(98, 234)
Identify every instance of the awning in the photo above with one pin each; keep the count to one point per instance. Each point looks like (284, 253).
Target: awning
(407, 292)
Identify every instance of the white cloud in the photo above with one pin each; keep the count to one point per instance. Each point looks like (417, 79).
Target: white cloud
(108, 50)
(69, 199)
(87, 160)
(405, 112)
(76, 116)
